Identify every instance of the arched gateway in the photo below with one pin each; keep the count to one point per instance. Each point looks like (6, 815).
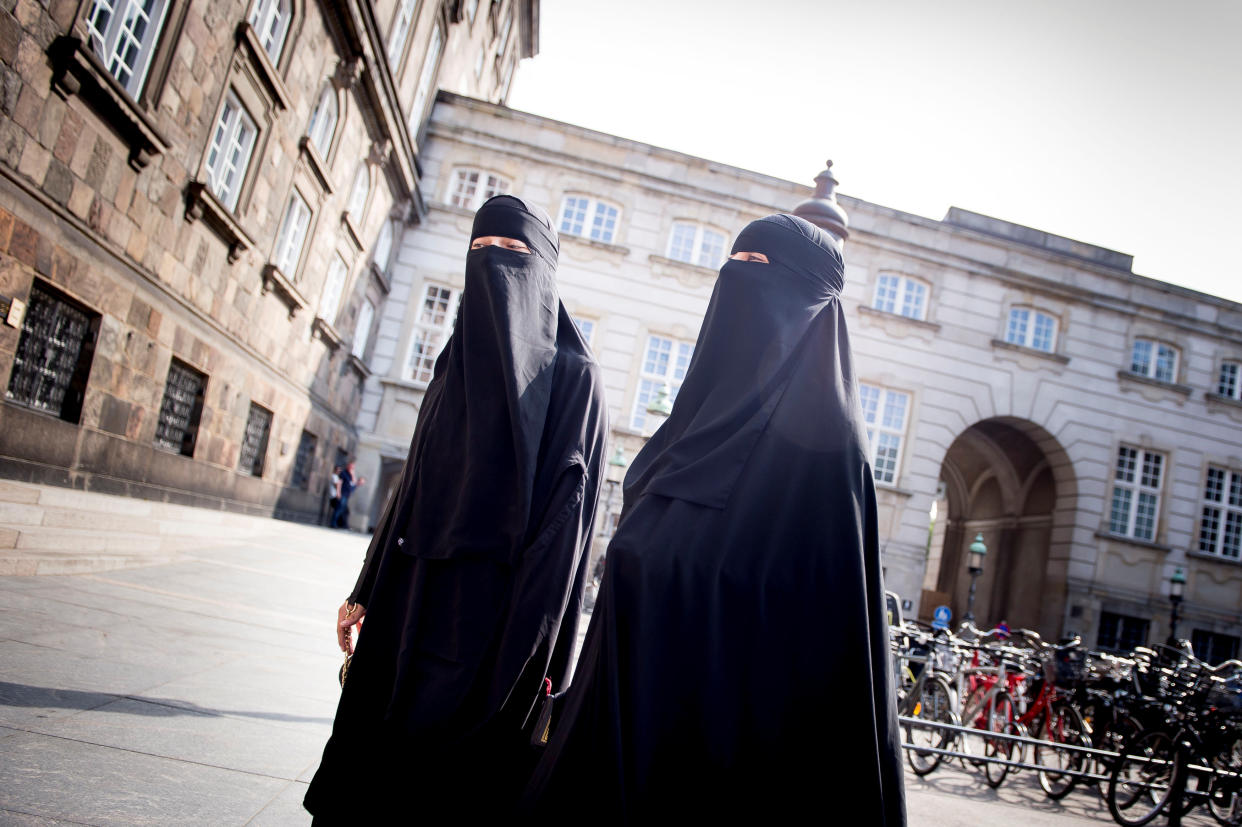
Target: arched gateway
(1010, 481)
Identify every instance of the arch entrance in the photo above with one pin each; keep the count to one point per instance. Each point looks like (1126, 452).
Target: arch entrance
(1009, 480)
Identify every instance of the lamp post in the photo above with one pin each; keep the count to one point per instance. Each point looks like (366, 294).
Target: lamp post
(1177, 589)
(660, 406)
(616, 472)
(977, 552)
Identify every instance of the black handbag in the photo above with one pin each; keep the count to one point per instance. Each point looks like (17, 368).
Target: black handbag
(543, 724)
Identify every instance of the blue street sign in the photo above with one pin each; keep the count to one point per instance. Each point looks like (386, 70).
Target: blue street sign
(940, 617)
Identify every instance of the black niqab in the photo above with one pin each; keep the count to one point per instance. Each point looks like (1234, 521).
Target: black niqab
(473, 580)
(737, 658)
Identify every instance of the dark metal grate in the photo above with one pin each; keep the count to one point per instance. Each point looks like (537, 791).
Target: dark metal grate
(254, 443)
(53, 355)
(177, 428)
(304, 460)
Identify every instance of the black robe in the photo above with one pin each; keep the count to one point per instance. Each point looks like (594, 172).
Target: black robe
(736, 663)
(473, 580)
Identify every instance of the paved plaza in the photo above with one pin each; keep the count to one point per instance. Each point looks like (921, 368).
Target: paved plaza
(199, 688)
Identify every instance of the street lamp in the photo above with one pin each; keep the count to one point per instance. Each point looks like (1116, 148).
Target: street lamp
(1177, 588)
(977, 552)
(660, 406)
(613, 474)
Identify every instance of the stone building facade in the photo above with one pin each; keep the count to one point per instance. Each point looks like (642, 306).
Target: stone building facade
(1082, 419)
(197, 208)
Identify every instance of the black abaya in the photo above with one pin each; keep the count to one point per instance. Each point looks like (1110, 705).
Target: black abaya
(473, 580)
(736, 663)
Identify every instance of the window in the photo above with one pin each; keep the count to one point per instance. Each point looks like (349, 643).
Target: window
(1031, 328)
(1229, 384)
(472, 9)
(664, 363)
(254, 441)
(589, 218)
(471, 187)
(431, 331)
(322, 124)
(1136, 493)
(426, 79)
(884, 411)
(1121, 633)
(228, 157)
(1155, 360)
(400, 31)
(54, 352)
(506, 29)
(695, 244)
(586, 327)
(901, 295)
(123, 33)
(270, 20)
(479, 62)
(1220, 529)
(304, 461)
(333, 285)
(1213, 647)
(177, 427)
(362, 328)
(358, 193)
(383, 247)
(292, 234)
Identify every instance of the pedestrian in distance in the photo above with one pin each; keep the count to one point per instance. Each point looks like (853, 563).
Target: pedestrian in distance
(334, 494)
(472, 585)
(344, 490)
(736, 664)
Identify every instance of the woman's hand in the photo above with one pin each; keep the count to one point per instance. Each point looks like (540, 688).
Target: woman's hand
(347, 617)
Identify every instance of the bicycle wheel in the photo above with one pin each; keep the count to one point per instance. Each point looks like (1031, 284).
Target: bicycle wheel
(974, 716)
(934, 703)
(1141, 780)
(1062, 725)
(1225, 801)
(999, 719)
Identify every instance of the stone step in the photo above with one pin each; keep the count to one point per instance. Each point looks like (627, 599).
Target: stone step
(81, 540)
(28, 562)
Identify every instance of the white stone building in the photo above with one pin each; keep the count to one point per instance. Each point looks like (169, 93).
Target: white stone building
(1083, 419)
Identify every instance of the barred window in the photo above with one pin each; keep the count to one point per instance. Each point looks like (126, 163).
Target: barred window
(589, 218)
(254, 441)
(431, 330)
(664, 363)
(177, 428)
(304, 461)
(901, 295)
(270, 20)
(1155, 360)
(696, 244)
(471, 187)
(1031, 328)
(1220, 527)
(1136, 493)
(1121, 633)
(228, 156)
(1229, 384)
(54, 353)
(124, 34)
(884, 411)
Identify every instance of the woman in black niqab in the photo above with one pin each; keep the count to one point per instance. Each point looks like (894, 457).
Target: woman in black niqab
(737, 658)
(473, 581)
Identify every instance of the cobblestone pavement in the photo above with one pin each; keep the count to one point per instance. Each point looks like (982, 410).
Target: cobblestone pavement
(201, 690)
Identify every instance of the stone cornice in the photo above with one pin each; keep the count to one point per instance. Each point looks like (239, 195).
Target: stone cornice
(272, 84)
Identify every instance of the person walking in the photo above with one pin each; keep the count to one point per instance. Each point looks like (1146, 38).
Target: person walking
(345, 487)
(334, 494)
(736, 664)
(472, 585)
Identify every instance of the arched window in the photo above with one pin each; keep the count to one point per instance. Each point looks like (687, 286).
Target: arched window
(358, 194)
(323, 118)
(124, 34)
(270, 20)
(901, 295)
(1155, 360)
(589, 218)
(696, 244)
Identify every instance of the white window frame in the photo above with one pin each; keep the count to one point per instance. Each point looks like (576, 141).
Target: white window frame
(1229, 379)
(111, 27)
(506, 31)
(587, 217)
(356, 207)
(886, 413)
(1220, 520)
(586, 326)
(665, 361)
(1156, 351)
(472, 10)
(426, 77)
(230, 151)
(401, 25)
(333, 289)
(381, 252)
(321, 128)
(270, 20)
(1023, 328)
(437, 310)
(292, 236)
(362, 328)
(471, 186)
(480, 62)
(688, 242)
(901, 295)
(1135, 498)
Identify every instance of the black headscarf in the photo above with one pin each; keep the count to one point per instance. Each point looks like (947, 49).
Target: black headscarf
(737, 657)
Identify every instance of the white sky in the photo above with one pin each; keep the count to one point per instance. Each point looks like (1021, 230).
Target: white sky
(1114, 122)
